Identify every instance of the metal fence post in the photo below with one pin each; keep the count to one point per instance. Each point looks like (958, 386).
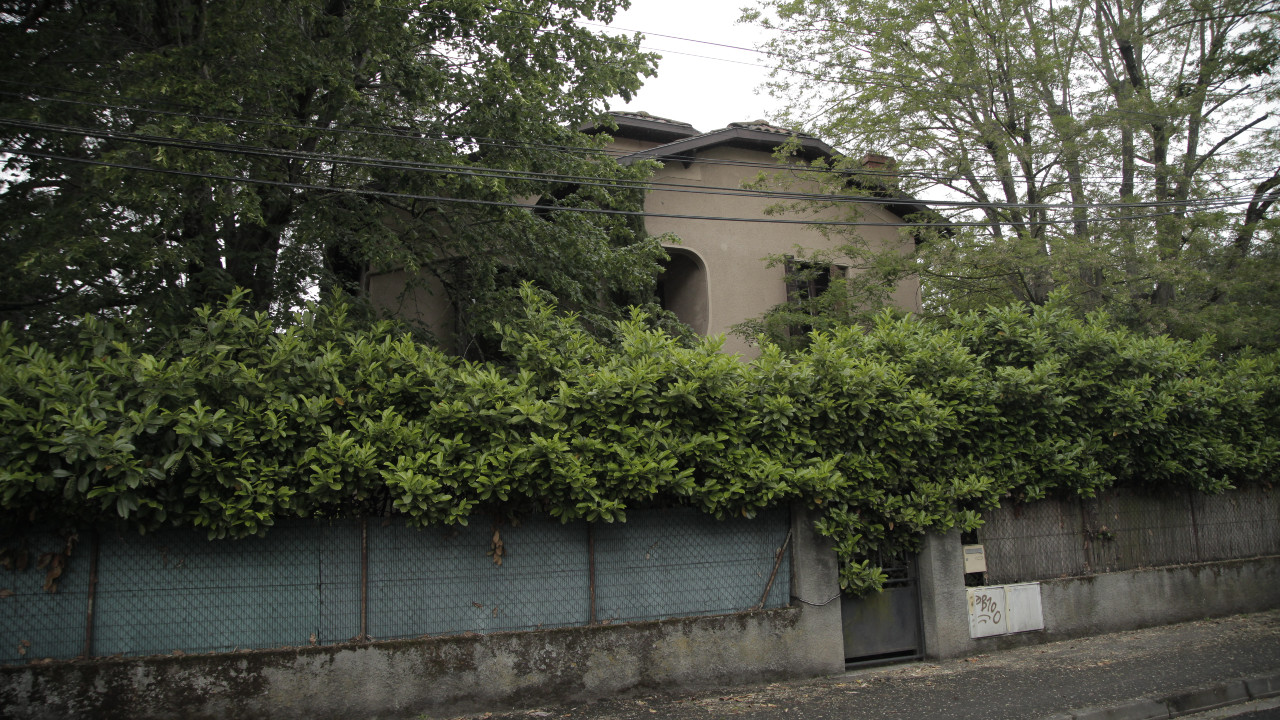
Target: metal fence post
(591, 571)
(93, 588)
(364, 579)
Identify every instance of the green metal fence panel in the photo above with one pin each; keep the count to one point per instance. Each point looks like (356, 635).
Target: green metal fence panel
(338, 560)
(440, 581)
(36, 623)
(680, 562)
(176, 590)
(302, 583)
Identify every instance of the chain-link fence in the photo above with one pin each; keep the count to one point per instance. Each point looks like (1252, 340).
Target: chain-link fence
(309, 583)
(1125, 530)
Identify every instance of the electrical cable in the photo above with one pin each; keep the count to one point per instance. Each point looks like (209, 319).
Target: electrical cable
(491, 142)
(828, 601)
(594, 211)
(498, 173)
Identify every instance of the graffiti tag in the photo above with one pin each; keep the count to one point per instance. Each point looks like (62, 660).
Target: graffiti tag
(987, 609)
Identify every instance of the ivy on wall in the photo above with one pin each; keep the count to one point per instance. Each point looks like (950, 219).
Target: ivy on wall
(893, 431)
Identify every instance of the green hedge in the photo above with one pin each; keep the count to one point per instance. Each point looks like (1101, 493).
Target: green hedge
(894, 431)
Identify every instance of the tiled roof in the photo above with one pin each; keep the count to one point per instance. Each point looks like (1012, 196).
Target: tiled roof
(758, 133)
(642, 115)
(765, 126)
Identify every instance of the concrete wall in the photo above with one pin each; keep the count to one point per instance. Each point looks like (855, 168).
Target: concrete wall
(458, 673)
(1094, 604)
(438, 676)
(815, 592)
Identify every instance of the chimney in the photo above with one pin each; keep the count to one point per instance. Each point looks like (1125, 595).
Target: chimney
(881, 168)
(875, 162)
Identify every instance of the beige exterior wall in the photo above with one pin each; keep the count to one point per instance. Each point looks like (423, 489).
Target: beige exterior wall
(423, 303)
(739, 283)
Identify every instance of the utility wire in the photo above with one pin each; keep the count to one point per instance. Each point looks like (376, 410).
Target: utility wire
(524, 206)
(596, 181)
(900, 80)
(466, 140)
(370, 131)
(442, 136)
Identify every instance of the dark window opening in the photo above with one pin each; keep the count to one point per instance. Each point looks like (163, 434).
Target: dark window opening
(807, 282)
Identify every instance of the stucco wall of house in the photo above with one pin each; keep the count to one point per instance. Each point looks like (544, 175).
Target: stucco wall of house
(740, 285)
(422, 301)
(624, 145)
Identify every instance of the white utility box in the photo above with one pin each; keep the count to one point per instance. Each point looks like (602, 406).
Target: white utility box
(1022, 607)
(1004, 609)
(986, 611)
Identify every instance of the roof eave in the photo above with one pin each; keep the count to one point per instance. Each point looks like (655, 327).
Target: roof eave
(638, 128)
(810, 148)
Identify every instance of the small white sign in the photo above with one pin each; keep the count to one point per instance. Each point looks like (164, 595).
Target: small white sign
(986, 611)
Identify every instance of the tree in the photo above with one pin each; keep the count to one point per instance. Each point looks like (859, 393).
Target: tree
(162, 152)
(1120, 152)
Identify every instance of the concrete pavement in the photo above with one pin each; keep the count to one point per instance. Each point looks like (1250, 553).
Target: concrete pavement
(1160, 672)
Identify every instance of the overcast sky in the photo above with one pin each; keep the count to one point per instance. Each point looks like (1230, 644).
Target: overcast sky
(707, 93)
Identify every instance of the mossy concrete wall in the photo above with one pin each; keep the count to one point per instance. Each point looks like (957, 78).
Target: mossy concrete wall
(435, 676)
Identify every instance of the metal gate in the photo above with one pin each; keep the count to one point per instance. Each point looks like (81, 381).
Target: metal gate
(885, 626)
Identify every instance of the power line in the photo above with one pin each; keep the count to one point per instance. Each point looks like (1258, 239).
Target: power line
(491, 142)
(596, 181)
(401, 134)
(899, 79)
(524, 206)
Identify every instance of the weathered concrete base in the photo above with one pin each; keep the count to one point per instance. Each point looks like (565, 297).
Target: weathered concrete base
(442, 675)
(815, 591)
(1159, 596)
(1095, 604)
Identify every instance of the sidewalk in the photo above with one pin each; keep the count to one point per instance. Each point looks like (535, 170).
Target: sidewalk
(1132, 675)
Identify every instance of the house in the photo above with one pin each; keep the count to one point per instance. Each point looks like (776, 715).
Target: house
(717, 275)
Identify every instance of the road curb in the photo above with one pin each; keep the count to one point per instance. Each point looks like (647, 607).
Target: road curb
(1232, 692)
(1263, 686)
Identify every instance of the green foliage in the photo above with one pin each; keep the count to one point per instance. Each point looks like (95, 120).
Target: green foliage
(824, 295)
(1117, 151)
(160, 154)
(902, 428)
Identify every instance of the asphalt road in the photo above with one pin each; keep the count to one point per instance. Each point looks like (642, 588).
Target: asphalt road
(1030, 682)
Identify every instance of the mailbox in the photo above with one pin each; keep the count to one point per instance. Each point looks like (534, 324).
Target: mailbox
(975, 559)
